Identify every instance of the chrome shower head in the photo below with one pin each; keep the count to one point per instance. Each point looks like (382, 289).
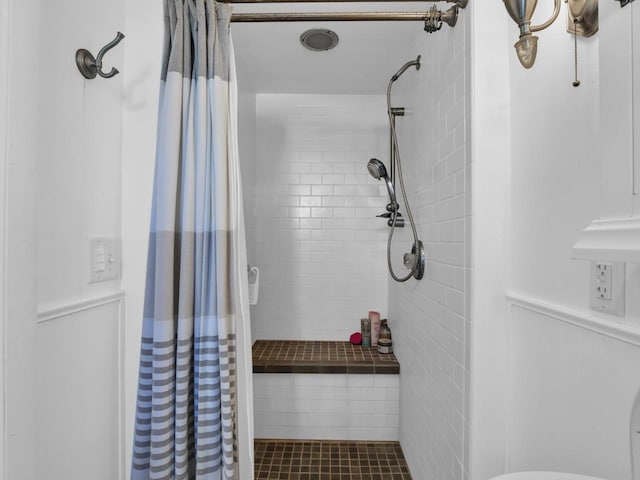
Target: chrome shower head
(377, 169)
(379, 172)
(412, 63)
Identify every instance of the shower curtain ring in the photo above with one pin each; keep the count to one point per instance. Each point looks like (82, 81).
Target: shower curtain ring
(91, 66)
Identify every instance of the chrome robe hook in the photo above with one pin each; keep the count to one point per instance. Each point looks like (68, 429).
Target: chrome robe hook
(90, 67)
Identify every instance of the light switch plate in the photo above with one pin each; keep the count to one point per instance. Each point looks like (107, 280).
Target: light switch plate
(104, 259)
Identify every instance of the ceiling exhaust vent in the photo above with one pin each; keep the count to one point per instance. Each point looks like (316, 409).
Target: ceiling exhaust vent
(319, 39)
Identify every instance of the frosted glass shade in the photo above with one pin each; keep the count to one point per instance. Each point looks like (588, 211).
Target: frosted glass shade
(527, 49)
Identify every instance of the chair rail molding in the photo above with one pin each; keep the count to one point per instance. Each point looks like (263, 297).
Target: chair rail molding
(587, 320)
(613, 239)
(48, 313)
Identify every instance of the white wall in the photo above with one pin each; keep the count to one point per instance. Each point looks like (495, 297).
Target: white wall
(555, 167)
(327, 406)
(616, 103)
(571, 396)
(569, 389)
(247, 152)
(319, 245)
(491, 149)
(64, 145)
(429, 318)
(5, 22)
(20, 247)
(141, 74)
(557, 190)
(79, 125)
(79, 396)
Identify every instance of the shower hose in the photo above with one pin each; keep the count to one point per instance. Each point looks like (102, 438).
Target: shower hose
(416, 245)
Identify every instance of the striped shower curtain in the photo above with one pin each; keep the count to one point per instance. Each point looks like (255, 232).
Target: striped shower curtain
(194, 404)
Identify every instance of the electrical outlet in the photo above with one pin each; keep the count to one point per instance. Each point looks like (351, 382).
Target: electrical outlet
(608, 287)
(603, 281)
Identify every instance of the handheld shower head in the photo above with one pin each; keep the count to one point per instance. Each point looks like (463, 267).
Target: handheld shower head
(412, 63)
(377, 169)
(379, 172)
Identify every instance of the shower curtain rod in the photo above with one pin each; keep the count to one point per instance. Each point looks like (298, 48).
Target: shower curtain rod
(460, 3)
(327, 16)
(449, 17)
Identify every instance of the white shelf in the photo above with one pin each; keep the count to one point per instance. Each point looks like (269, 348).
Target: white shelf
(616, 239)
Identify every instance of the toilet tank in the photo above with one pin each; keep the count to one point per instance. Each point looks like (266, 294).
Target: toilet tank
(544, 476)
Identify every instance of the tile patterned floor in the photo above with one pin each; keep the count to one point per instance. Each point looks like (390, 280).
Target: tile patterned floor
(329, 460)
(294, 356)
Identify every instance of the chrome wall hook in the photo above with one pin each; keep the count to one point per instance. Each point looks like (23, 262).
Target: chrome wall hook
(90, 67)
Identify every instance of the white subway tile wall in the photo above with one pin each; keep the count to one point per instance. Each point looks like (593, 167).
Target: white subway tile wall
(429, 318)
(247, 151)
(326, 406)
(319, 246)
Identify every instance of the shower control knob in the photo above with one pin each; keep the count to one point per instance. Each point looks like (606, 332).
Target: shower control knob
(409, 260)
(399, 222)
(392, 207)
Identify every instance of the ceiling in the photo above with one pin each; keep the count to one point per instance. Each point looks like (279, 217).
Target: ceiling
(270, 58)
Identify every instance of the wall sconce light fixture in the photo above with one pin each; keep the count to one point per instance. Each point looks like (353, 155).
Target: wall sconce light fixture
(521, 11)
(582, 17)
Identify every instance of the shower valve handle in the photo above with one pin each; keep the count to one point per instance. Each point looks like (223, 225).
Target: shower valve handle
(399, 222)
(409, 260)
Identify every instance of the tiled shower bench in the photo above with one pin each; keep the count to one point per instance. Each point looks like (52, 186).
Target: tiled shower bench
(304, 356)
(324, 390)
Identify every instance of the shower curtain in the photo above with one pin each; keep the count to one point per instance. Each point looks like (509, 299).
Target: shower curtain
(194, 411)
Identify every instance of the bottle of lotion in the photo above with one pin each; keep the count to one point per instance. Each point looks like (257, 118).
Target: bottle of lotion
(374, 317)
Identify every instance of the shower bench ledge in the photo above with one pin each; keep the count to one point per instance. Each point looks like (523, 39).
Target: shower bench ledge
(310, 356)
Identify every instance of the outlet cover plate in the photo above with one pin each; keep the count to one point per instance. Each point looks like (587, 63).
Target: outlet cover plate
(607, 287)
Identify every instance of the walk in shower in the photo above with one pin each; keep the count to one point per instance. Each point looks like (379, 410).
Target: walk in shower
(317, 134)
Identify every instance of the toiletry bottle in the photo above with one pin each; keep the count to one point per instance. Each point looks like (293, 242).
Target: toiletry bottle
(385, 346)
(385, 331)
(374, 317)
(384, 340)
(365, 330)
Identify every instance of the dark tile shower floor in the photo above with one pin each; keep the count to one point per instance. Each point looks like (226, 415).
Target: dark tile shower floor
(329, 460)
